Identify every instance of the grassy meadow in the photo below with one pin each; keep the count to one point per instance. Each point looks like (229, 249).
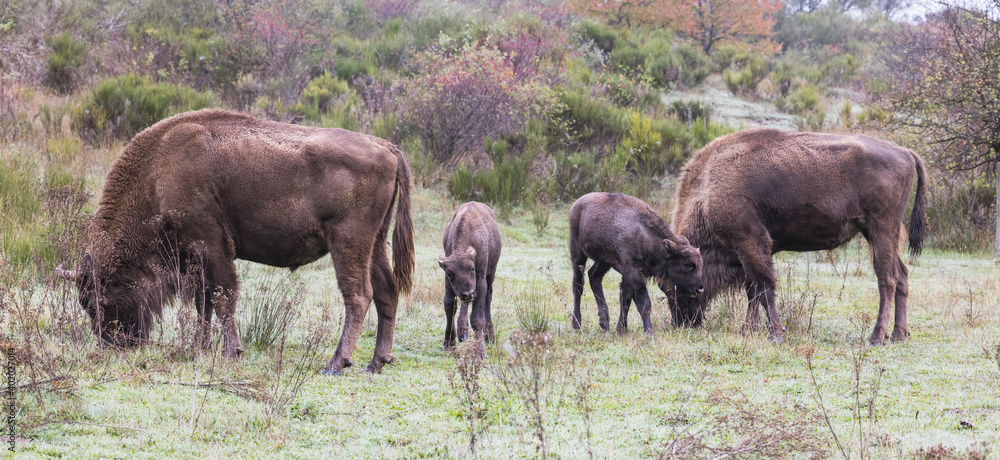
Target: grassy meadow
(544, 389)
(578, 100)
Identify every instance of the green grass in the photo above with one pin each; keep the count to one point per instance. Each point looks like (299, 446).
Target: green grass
(643, 391)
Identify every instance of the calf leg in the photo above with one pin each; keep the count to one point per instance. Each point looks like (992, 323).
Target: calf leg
(478, 319)
(629, 287)
(596, 276)
(900, 329)
(490, 337)
(449, 314)
(579, 264)
(644, 305)
(386, 301)
(463, 321)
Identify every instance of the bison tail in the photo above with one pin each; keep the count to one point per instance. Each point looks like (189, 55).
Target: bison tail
(402, 235)
(917, 222)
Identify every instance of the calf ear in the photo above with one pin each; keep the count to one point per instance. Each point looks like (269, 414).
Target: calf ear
(71, 275)
(471, 251)
(441, 261)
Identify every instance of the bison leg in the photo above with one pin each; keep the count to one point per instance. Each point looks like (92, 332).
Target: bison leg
(353, 277)
(629, 288)
(645, 306)
(884, 263)
(579, 264)
(449, 314)
(203, 336)
(596, 277)
(220, 277)
(478, 317)
(490, 333)
(463, 321)
(900, 329)
(386, 300)
(760, 284)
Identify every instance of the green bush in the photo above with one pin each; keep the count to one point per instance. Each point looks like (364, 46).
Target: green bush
(121, 107)
(960, 214)
(65, 58)
(318, 96)
(746, 71)
(604, 37)
(504, 186)
(697, 65)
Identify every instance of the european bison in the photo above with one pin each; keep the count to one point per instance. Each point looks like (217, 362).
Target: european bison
(200, 189)
(472, 249)
(748, 195)
(622, 232)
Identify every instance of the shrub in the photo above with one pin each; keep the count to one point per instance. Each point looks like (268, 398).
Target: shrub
(505, 185)
(318, 96)
(65, 58)
(121, 107)
(805, 102)
(960, 213)
(746, 71)
(602, 36)
(697, 66)
(455, 101)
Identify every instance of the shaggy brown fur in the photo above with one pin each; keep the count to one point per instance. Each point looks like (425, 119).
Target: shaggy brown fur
(622, 232)
(748, 195)
(196, 191)
(472, 249)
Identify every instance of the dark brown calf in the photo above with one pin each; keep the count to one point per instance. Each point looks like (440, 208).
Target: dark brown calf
(749, 195)
(621, 232)
(472, 249)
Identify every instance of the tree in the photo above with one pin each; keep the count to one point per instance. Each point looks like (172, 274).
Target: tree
(622, 13)
(946, 87)
(739, 22)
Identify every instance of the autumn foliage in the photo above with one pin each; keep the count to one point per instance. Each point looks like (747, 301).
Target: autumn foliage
(741, 23)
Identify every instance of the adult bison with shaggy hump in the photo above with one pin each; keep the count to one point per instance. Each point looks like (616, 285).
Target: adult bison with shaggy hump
(195, 191)
(751, 194)
(622, 232)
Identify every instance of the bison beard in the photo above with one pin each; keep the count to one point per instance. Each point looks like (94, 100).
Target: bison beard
(198, 190)
(749, 195)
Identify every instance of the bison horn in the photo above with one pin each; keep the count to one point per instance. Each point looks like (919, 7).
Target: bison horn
(441, 261)
(471, 251)
(67, 274)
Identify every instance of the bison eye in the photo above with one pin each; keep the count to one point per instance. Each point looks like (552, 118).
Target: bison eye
(451, 275)
(689, 267)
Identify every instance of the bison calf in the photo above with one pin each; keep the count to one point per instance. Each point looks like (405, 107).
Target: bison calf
(472, 249)
(749, 195)
(622, 232)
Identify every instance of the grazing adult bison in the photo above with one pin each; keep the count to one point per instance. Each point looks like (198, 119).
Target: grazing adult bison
(197, 190)
(748, 195)
(622, 232)
(472, 249)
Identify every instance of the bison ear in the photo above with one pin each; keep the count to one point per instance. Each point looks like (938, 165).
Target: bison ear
(441, 261)
(671, 246)
(681, 240)
(471, 251)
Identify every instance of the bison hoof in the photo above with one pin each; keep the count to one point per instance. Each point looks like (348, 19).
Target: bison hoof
(776, 339)
(233, 353)
(333, 372)
(462, 337)
(605, 327)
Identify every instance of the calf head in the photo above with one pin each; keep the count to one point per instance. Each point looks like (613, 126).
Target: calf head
(683, 268)
(115, 314)
(460, 273)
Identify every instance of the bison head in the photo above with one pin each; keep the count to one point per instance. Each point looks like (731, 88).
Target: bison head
(460, 273)
(115, 314)
(683, 267)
